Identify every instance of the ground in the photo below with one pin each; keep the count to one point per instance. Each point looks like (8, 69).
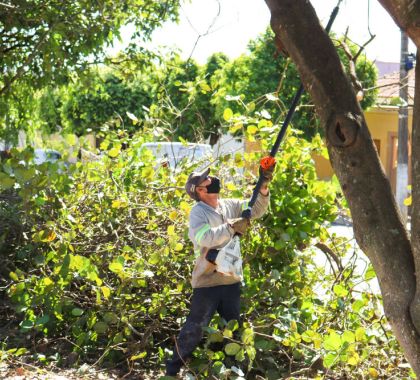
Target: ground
(22, 371)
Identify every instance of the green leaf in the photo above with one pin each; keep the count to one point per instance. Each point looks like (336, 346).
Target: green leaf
(20, 351)
(77, 312)
(247, 336)
(13, 276)
(118, 338)
(23, 174)
(26, 325)
(252, 129)
(340, 290)
(114, 152)
(6, 182)
(116, 267)
(42, 320)
(227, 114)
(106, 291)
(251, 352)
(215, 337)
(205, 87)
(357, 305)
(80, 263)
(227, 333)
(139, 356)
(111, 318)
(100, 327)
(370, 273)
(219, 368)
(307, 305)
(263, 344)
(360, 334)
(332, 342)
(329, 360)
(348, 336)
(154, 258)
(232, 325)
(308, 335)
(232, 348)
(71, 139)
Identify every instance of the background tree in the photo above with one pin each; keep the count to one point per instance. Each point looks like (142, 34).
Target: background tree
(102, 98)
(43, 42)
(191, 98)
(269, 81)
(49, 108)
(377, 224)
(175, 98)
(208, 107)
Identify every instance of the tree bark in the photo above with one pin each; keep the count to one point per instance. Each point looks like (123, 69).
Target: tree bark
(407, 16)
(377, 223)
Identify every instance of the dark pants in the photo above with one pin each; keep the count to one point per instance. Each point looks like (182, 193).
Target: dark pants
(225, 299)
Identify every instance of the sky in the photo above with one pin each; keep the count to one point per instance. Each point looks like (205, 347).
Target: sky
(208, 26)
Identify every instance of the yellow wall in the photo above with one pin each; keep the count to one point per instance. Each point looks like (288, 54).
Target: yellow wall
(323, 167)
(382, 124)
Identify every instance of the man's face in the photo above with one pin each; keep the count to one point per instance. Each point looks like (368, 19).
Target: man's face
(201, 190)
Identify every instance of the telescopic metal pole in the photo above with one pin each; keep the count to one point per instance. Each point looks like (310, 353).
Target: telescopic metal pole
(248, 211)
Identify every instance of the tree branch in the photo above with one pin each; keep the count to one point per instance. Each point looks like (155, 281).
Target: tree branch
(27, 62)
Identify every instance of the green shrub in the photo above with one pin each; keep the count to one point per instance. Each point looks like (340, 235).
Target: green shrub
(100, 261)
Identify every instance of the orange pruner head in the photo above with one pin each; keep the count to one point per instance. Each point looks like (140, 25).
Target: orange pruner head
(267, 162)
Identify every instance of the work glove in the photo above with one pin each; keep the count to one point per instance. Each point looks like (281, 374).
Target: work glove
(239, 225)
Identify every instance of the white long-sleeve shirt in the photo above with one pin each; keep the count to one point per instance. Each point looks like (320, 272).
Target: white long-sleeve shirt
(209, 229)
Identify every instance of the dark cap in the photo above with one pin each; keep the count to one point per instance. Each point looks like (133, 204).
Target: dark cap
(194, 179)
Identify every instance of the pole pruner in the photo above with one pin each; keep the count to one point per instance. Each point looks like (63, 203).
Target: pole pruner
(268, 161)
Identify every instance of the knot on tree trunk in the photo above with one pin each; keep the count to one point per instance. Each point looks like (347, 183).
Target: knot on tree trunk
(342, 129)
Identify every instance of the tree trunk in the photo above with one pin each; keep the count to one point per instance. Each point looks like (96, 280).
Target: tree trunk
(378, 228)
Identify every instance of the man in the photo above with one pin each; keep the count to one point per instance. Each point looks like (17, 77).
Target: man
(214, 228)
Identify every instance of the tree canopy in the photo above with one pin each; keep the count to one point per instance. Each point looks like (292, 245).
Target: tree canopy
(188, 100)
(43, 42)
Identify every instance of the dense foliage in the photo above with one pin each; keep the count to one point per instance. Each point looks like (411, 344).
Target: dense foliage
(266, 80)
(96, 258)
(44, 42)
(186, 99)
(97, 262)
